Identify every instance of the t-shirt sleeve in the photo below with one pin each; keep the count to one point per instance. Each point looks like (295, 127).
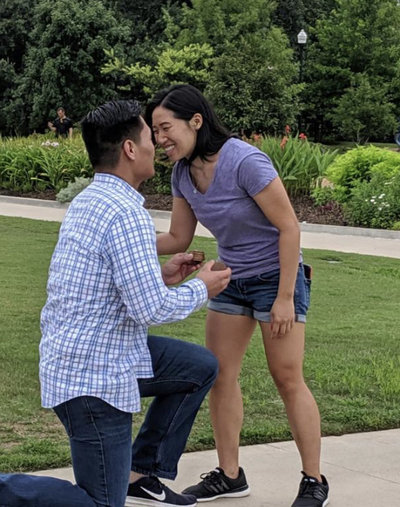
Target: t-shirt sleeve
(175, 181)
(256, 172)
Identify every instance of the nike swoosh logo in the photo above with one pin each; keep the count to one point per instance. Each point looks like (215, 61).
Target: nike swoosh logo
(157, 496)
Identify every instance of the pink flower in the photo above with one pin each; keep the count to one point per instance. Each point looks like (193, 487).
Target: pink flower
(287, 129)
(302, 136)
(285, 139)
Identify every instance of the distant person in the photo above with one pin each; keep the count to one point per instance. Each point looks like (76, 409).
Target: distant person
(233, 189)
(105, 288)
(62, 126)
(397, 134)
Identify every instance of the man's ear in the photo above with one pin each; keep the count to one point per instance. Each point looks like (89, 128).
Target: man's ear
(196, 121)
(129, 149)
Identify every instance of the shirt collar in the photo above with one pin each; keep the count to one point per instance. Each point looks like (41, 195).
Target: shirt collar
(107, 179)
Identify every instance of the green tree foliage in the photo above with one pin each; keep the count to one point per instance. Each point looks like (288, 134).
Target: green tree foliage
(63, 61)
(363, 111)
(187, 64)
(15, 24)
(356, 53)
(251, 72)
(294, 15)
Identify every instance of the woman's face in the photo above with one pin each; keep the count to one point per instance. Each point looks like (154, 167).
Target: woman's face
(177, 137)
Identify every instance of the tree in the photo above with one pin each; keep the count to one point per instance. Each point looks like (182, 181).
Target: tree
(252, 71)
(15, 24)
(63, 61)
(356, 52)
(294, 15)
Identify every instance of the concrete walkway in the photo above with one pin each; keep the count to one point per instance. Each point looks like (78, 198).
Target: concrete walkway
(325, 237)
(363, 469)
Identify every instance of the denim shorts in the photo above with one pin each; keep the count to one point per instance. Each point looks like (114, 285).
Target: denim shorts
(255, 296)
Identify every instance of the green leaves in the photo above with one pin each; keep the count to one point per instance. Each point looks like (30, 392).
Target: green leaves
(300, 164)
(36, 163)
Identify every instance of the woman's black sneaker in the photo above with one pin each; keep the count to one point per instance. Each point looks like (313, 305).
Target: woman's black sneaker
(216, 484)
(150, 491)
(312, 493)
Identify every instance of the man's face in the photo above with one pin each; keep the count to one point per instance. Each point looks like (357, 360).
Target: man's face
(144, 166)
(61, 113)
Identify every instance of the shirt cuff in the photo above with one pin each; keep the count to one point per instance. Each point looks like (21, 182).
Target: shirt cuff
(200, 290)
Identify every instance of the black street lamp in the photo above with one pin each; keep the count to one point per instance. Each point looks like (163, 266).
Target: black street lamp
(301, 41)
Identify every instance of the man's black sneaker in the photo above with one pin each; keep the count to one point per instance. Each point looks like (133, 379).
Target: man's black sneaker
(150, 491)
(312, 493)
(216, 484)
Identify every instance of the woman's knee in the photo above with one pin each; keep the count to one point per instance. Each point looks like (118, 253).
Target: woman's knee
(288, 382)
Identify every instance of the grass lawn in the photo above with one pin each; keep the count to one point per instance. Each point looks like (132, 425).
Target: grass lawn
(352, 354)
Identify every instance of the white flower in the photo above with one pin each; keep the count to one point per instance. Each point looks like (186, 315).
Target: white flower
(55, 144)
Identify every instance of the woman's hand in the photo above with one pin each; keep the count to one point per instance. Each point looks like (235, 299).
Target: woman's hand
(282, 317)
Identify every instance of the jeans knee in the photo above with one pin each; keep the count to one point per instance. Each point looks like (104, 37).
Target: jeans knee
(212, 365)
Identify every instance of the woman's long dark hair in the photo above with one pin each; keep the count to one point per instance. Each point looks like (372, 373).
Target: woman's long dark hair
(184, 101)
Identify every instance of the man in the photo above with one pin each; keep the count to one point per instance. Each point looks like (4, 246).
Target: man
(105, 288)
(62, 125)
(397, 134)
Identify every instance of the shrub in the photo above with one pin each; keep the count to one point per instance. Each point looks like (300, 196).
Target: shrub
(73, 189)
(300, 164)
(39, 162)
(161, 181)
(375, 203)
(358, 165)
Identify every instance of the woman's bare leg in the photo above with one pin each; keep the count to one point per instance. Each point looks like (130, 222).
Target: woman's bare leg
(227, 336)
(285, 360)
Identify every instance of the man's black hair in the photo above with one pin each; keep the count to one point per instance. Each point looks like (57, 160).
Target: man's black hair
(184, 101)
(105, 129)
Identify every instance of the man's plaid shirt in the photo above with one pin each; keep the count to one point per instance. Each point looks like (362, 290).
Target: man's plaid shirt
(105, 288)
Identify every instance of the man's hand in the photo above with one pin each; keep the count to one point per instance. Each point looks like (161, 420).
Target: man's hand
(178, 268)
(216, 281)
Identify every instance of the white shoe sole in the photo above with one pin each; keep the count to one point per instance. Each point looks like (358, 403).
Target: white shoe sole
(238, 494)
(153, 503)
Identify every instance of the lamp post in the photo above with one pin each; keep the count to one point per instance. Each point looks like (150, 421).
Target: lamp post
(301, 41)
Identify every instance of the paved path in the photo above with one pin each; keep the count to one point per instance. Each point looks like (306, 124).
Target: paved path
(343, 239)
(363, 469)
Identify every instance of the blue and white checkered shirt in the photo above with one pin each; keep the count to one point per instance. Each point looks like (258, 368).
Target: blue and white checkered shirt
(105, 288)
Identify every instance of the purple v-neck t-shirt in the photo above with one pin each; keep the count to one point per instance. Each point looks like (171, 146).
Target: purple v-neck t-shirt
(247, 241)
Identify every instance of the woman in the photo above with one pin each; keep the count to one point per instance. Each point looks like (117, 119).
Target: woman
(232, 188)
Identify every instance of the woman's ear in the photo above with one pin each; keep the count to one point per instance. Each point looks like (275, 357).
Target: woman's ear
(196, 121)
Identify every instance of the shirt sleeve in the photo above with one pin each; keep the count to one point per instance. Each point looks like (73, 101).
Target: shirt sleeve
(131, 247)
(256, 172)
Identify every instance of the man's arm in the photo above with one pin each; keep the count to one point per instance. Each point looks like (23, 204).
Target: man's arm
(131, 249)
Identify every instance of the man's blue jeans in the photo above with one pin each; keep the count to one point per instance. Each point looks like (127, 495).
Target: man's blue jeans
(100, 435)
